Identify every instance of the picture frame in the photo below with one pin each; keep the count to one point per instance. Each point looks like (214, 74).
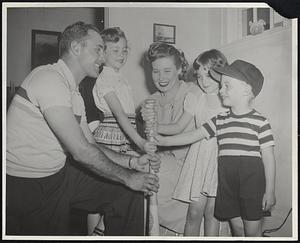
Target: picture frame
(44, 47)
(164, 33)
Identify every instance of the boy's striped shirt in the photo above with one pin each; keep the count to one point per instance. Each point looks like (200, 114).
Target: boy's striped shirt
(240, 135)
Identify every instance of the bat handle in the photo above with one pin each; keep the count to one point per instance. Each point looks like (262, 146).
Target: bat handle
(153, 222)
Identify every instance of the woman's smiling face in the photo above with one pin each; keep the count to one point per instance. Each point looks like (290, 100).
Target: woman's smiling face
(164, 73)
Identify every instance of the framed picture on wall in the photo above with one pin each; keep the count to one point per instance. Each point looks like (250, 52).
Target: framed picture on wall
(164, 33)
(44, 47)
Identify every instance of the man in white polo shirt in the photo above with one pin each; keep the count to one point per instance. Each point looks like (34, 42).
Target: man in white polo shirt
(46, 121)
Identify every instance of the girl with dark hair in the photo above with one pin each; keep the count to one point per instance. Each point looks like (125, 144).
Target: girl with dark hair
(197, 184)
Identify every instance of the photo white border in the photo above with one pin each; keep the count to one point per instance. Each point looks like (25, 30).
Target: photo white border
(6, 5)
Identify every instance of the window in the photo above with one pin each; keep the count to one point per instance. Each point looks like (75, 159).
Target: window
(270, 18)
(235, 22)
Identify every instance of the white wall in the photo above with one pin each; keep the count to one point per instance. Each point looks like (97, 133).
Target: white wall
(20, 22)
(196, 30)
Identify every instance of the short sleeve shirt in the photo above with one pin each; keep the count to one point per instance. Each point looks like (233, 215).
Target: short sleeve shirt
(33, 150)
(240, 135)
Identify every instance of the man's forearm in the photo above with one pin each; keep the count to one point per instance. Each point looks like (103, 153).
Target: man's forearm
(100, 163)
(79, 143)
(120, 159)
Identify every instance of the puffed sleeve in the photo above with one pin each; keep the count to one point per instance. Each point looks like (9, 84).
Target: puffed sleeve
(104, 85)
(190, 102)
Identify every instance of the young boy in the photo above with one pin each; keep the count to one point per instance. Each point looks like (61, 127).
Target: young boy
(246, 164)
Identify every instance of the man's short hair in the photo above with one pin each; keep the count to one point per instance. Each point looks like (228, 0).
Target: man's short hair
(77, 31)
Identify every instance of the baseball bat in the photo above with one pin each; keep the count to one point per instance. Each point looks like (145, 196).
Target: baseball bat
(152, 221)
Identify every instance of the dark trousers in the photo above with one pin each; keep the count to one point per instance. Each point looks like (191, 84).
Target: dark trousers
(41, 206)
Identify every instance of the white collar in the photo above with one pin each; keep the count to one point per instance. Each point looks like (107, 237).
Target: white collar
(110, 70)
(68, 74)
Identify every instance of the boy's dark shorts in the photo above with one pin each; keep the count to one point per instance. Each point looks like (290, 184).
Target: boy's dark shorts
(241, 186)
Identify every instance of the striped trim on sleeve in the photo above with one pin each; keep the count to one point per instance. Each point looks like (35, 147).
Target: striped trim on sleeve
(210, 127)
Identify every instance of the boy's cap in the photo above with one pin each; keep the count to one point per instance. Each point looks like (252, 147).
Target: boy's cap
(241, 70)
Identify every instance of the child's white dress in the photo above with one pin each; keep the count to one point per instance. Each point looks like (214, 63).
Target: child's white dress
(109, 131)
(199, 172)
